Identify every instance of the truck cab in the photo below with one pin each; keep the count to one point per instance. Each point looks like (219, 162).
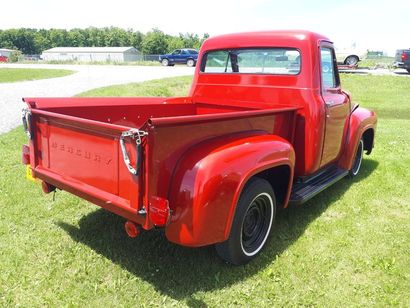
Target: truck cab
(266, 124)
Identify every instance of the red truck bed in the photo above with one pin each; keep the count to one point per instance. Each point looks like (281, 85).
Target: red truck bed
(80, 143)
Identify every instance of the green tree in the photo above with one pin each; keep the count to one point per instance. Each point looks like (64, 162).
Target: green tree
(154, 42)
(34, 41)
(174, 42)
(59, 38)
(42, 41)
(76, 38)
(135, 38)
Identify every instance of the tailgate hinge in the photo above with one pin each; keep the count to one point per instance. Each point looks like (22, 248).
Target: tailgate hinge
(137, 135)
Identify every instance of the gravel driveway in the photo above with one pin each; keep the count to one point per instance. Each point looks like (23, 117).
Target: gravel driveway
(86, 77)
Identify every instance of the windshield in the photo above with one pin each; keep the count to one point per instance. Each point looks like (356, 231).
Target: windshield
(282, 61)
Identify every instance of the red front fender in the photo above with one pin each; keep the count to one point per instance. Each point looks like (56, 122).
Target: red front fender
(209, 179)
(361, 120)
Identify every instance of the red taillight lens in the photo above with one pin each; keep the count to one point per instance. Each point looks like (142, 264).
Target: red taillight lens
(159, 212)
(25, 157)
(404, 56)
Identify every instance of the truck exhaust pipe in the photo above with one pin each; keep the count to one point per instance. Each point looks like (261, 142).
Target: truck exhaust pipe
(132, 229)
(47, 188)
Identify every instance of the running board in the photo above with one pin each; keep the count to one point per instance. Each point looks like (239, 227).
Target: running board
(310, 187)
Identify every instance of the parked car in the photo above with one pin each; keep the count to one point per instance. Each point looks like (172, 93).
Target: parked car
(4, 59)
(402, 59)
(350, 56)
(262, 128)
(31, 57)
(180, 56)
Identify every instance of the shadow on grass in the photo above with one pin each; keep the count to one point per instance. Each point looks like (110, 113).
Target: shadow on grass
(179, 272)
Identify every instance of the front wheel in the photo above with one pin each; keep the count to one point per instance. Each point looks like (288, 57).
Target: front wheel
(165, 62)
(357, 160)
(254, 216)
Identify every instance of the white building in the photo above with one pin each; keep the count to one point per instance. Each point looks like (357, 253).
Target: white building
(92, 54)
(6, 52)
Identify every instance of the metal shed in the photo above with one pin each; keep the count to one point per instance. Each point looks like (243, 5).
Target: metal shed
(6, 52)
(92, 54)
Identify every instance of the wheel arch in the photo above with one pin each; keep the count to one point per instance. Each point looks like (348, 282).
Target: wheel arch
(352, 55)
(210, 177)
(368, 140)
(280, 170)
(362, 123)
(279, 178)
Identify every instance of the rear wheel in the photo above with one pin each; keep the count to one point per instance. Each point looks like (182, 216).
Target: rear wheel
(190, 62)
(357, 160)
(352, 60)
(254, 216)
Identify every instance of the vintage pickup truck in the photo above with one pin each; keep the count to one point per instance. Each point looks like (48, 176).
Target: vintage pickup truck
(266, 124)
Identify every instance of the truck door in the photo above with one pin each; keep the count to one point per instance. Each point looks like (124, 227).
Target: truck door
(336, 105)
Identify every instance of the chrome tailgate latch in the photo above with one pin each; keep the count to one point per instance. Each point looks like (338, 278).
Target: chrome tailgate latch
(26, 118)
(136, 135)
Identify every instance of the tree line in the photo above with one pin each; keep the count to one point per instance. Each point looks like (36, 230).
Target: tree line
(35, 41)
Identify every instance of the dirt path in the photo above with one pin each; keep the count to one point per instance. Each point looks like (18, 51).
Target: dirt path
(86, 77)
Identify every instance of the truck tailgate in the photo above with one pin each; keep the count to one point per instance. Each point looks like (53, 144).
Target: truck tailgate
(85, 158)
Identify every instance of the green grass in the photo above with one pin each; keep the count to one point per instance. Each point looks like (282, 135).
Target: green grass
(178, 86)
(383, 62)
(349, 246)
(22, 74)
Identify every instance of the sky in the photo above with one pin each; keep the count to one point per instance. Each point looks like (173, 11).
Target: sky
(370, 24)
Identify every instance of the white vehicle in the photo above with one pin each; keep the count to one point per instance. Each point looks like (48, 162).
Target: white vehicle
(350, 56)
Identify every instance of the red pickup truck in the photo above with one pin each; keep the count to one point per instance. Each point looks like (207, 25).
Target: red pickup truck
(266, 124)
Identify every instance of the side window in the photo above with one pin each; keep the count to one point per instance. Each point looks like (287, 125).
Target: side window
(176, 52)
(184, 52)
(218, 62)
(327, 68)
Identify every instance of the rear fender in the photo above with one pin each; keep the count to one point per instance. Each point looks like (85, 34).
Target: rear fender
(361, 121)
(209, 179)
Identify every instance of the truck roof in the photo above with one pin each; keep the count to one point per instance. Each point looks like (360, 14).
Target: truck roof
(284, 38)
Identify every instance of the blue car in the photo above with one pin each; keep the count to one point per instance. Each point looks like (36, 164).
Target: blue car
(186, 56)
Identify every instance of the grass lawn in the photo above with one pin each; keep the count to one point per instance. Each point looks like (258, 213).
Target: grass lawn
(349, 246)
(163, 87)
(383, 62)
(22, 74)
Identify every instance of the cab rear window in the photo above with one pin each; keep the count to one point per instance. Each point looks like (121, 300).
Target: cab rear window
(278, 61)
